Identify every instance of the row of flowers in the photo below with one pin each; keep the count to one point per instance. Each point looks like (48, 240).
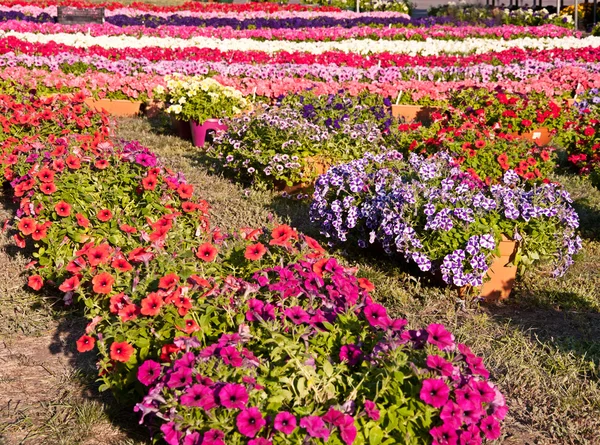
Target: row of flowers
(385, 59)
(136, 86)
(142, 7)
(562, 72)
(444, 32)
(431, 47)
(254, 337)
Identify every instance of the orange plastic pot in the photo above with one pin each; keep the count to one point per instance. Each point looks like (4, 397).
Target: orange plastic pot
(413, 113)
(501, 276)
(541, 136)
(120, 108)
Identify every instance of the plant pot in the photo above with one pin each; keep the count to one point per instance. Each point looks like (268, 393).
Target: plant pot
(200, 131)
(181, 128)
(413, 113)
(501, 277)
(121, 108)
(314, 166)
(540, 136)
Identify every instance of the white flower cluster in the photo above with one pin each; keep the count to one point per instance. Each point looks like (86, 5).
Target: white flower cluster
(425, 48)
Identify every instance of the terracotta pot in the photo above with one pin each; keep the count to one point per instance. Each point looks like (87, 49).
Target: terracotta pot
(412, 113)
(115, 107)
(501, 277)
(314, 166)
(570, 102)
(200, 131)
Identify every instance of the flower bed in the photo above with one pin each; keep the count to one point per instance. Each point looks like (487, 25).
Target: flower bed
(442, 219)
(264, 320)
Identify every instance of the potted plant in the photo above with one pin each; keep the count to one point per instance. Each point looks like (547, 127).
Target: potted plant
(432, 214)
(413, 107)
(203, 102)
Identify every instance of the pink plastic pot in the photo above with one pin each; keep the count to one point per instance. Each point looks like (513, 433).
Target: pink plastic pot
(199, 131)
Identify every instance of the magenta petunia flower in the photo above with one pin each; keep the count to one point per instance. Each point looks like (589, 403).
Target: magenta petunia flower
(285, 422)
(315, 427)
(148, 372)
(233, 396)
(469, 438)
(476, 366)
(250, 421)
(490, 428)
(192, 438)
(472, 413)
(231, 356)
(440, 364)
(485, 390)
(182, 377)
(466, 395)
(452, 414)
(260, 441)
(377, 316)
(435, 392)
(213, 437)
(371, 410)
(444, 435)
(334, 417)
(347, 429)
(297, 315)
(440, 337)
(199, 395)
(351, 354)
(170, 433)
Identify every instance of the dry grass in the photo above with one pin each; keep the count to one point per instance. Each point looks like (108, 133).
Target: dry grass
(542, 347)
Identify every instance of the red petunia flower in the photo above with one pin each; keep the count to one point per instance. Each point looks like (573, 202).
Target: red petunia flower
(62, 209)
(188, 206)
(190, 326)
(26, 226)
(104, 215)
(149, 182)
(185, 191)
(544, 155)
(166, 351)
(151, 304)
(85, 343)
(255, 252)
(129, 312)
(19, 241)
(207, 252)
(103, 283)
(198, 281)
(99, 254)
(121, 351)
(127, 228)
(45, 175)
(168, 281)
(82, 220)
(70, 284)
(366, 284)
(101, 164)
(40, 232)
(319, 266)
(73, 162)
(121, 264)
(35, 282)
(47, 188)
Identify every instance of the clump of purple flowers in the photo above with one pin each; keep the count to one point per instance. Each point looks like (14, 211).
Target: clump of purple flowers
(431, 213)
